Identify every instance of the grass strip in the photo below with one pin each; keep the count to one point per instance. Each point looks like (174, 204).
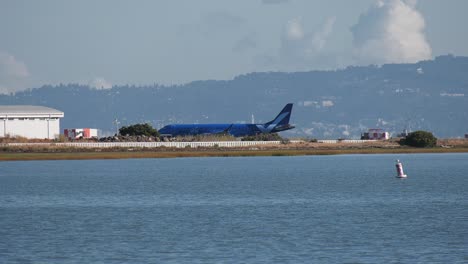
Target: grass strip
(17, 156)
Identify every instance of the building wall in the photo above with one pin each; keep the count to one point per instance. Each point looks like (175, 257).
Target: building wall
(30, 127)
(376, 134)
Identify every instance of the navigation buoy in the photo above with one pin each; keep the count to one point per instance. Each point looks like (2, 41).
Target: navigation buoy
(399, 169)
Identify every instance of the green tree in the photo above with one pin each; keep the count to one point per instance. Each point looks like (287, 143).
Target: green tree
(139, 130)
(420, 139)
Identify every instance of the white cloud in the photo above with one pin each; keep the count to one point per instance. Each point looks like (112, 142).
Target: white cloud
(10, 66)
(301, 49)
(392, 31)
(319, 39)
(412, 3)
(13, 73)
(294, 30)
(100, 83)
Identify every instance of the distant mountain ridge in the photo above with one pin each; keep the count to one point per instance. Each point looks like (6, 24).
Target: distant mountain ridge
(428, 95)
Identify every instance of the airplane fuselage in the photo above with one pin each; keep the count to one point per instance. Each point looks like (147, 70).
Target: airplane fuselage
(280, 123)
(236, 130)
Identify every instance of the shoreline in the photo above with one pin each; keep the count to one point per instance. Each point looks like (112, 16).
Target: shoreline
(95, 154)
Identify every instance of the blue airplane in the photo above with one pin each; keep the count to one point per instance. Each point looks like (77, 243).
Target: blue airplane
(280, 123)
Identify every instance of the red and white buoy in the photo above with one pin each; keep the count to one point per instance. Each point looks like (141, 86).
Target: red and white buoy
(399, 169)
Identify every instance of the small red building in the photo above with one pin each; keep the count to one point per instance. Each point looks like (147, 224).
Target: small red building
(75, 133)
(375, 134)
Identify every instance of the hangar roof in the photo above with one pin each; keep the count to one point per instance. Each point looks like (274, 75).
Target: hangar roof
(24, 110)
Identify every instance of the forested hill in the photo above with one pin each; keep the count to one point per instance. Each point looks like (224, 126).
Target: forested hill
(429, 95)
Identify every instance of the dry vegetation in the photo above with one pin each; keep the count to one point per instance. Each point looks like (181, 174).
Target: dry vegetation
(452, 143)
(291, 149)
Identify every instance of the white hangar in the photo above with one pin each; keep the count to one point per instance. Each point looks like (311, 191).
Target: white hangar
(29, 121)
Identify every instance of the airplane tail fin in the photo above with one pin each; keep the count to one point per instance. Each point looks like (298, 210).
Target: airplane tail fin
(281, 121)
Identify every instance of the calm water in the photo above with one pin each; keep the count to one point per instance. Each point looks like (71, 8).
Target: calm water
(316, 209)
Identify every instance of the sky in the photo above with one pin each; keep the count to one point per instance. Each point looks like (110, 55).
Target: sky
(144, 42)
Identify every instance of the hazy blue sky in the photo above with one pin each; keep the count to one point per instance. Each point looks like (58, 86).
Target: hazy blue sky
(109, 42)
